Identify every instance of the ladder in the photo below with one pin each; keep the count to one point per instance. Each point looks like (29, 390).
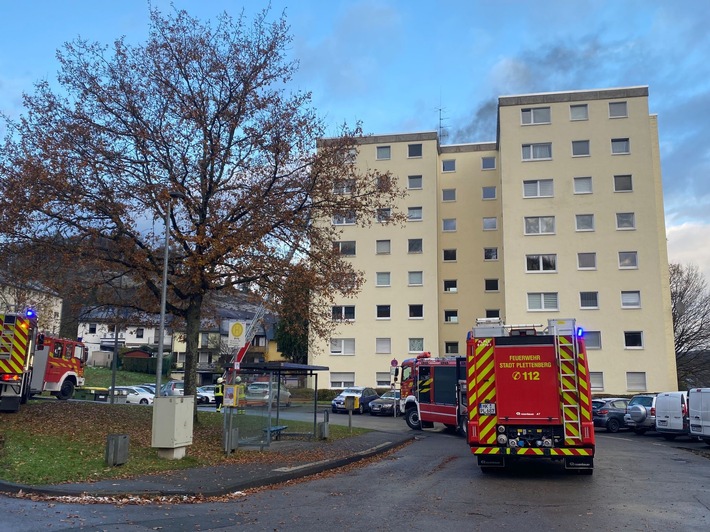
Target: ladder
(567, 353)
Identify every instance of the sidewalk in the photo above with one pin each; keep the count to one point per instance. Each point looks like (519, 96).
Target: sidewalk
(225, 479)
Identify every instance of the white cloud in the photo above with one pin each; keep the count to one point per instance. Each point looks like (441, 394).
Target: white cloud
(688, 244)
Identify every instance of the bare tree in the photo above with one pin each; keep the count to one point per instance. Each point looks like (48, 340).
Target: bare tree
(202, 110)
(690, 306)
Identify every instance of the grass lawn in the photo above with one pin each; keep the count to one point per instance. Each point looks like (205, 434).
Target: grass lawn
(52, 441)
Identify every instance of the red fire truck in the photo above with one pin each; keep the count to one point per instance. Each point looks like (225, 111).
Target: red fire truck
(32, 363)
(431, 390)
(529, 394)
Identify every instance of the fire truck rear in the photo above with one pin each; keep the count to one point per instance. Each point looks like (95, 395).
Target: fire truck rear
(431, 390)
(529, 394)
(32, 363)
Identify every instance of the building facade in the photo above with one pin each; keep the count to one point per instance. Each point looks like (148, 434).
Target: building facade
(562, 216)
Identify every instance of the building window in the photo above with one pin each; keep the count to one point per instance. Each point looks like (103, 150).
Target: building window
(414, 245)
(383, 152)
(414, 150)
(538, 151)
(636, 381)
(593, 339)
(383, 346)
(542, 301)
(580, 148)
(579, 112)
(344, 218)
(450, 285)
(633, 339)
(588, 300)
(414, 182)
(539, 188)
(448, 165)
(617, 110)
(451, 348)
(623, 183)
(493, 313)
(448, 194)
(345, 247)
(343, 312)
(384, 247)
(596, 379)
(416, 312)
(342, 346)
(449, 255)
(488, 193)
(539, 225)
(92, 328)
(625, 221)
(415, 278)
(620, 146)
(490, 253)
(535, 115)
(491, 285)
(139, 332)
(631, 299)
(383, 312)
(488, 163)
(490, 224)
(582, 185)
(383, 279)
(586, 261)
(342, 380)
(628, 260)
(414, 214)
(540, 263)
(383, 378)
(449, 224)
(383, 215)
(451, 316)
(584, 222)
(343, 186)
(416, 345)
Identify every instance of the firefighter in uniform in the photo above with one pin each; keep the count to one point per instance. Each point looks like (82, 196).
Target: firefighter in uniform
(241, 397)
(219, 394)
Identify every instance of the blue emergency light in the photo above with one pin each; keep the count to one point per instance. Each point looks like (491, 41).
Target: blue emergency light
(580, 332)
(30, 313)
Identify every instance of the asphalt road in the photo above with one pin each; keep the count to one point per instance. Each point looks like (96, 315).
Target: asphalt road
(640, 483)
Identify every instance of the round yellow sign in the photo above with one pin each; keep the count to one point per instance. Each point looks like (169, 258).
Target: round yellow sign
(237, 330)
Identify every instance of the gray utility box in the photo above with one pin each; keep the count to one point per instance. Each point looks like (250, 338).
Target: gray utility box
(117, 449)
(172, 422)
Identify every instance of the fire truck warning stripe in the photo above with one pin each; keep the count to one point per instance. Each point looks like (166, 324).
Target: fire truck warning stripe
(533, 451)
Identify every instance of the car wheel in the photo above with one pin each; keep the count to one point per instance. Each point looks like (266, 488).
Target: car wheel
(707, 441)
(335, 410)
(361, 409)
(411, 416)
(144, 401)
(640, 431)
(613, 425)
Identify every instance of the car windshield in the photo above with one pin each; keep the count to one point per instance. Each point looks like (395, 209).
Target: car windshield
(390, 395)
(353, 391)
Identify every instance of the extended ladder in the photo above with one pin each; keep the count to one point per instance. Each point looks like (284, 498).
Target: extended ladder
(567, 352)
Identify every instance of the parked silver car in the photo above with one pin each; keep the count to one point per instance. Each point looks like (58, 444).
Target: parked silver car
(641, 413)
(173, 388)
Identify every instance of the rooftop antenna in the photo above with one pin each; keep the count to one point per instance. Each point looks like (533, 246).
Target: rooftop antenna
(442, 132)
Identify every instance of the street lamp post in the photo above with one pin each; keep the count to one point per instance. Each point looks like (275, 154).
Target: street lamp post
(163, 296)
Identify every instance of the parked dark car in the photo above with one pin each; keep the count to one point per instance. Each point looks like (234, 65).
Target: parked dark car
(609, 413)
(363, 398)
(386, 405)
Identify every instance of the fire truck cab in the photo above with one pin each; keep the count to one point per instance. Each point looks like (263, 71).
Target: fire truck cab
(529, 394)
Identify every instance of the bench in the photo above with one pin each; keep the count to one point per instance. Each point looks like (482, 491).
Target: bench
(275, 431)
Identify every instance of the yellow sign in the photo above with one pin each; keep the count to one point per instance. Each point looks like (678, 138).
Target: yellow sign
(237, 329)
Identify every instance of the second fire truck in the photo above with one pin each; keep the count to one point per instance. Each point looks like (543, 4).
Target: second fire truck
(32, 363)
(529, 394)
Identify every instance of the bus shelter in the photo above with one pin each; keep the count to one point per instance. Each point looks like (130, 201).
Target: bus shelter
(256, 397)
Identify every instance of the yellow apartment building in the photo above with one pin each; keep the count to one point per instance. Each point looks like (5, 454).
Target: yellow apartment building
(562, 216)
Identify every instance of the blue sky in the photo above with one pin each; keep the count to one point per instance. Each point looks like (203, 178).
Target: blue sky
(397, 66)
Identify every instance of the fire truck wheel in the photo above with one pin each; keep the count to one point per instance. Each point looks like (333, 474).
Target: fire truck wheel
(463, 427)
(67, 390)
(411, 416)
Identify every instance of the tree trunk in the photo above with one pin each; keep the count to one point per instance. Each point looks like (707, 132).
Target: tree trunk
(192, 332)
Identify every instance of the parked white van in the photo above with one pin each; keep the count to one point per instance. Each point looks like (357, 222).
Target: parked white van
(672, 414)
(699, 406)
